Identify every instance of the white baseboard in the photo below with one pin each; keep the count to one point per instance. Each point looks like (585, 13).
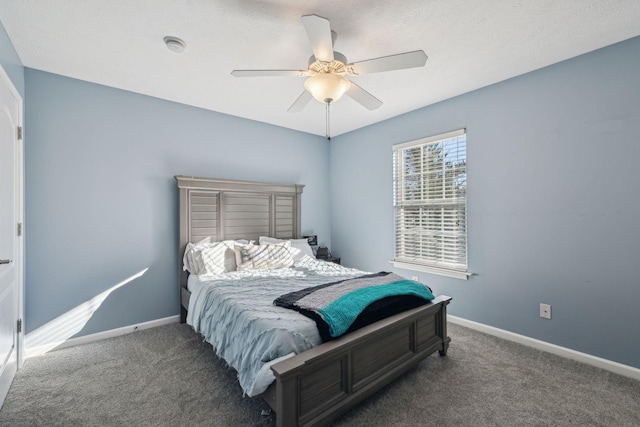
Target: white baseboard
(609, 365)
(40, 350)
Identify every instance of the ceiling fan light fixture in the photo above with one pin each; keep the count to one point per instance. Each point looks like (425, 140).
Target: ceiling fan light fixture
(327, 87)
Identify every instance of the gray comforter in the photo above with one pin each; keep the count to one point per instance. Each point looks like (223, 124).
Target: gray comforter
(235, 313)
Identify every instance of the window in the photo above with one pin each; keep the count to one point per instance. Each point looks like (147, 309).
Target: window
(430, 204)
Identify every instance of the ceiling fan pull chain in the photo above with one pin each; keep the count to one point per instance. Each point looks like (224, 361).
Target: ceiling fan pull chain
(328, 123)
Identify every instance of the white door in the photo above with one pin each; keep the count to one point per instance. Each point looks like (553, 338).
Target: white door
(10, 242)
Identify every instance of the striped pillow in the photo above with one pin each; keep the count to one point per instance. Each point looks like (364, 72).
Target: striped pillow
(263, 257)
(211, 257)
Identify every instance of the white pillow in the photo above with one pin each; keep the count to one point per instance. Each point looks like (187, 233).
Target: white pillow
(219, 258)
(188, 261)
(263, 257)
(299, 247)
(211, 258)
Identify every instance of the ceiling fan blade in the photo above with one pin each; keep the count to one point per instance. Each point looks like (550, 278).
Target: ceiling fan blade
(414, 59)
(363, 97)
(270, 73)
(319, 32)
(301, 102)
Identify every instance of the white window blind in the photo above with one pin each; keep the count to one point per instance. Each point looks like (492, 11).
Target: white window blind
(430, 203)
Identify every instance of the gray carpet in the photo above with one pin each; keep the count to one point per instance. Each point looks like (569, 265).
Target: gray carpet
(166, 376)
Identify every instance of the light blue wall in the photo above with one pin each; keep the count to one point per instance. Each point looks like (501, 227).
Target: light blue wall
(553, 196)
(101, 200)
(553, 204)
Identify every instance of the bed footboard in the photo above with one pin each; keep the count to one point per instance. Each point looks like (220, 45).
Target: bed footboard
(320, 384)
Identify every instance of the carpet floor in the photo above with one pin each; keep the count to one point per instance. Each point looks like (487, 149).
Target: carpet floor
(167, 376)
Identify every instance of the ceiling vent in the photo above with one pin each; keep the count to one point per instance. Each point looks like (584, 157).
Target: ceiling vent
(174, 44)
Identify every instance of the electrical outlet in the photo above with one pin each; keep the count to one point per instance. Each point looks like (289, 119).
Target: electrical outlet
(545, 311)
(415, 278)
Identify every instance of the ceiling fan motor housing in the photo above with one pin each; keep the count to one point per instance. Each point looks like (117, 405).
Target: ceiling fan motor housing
(337, 66)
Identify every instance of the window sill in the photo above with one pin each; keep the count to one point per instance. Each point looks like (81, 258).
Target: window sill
(456, 274)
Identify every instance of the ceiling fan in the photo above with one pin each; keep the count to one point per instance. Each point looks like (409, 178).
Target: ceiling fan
(326, 72)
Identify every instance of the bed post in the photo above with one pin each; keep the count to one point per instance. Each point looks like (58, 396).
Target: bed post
(441, 328)
(297, 218)
(287, 401)
(182, 243)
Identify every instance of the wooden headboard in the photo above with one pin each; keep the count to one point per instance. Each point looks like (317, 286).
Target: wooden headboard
(213, 210)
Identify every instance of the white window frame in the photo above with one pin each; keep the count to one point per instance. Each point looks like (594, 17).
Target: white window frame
(439, 245)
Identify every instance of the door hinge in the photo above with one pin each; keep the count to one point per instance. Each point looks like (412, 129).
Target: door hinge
(19, 132)
(19, 326)
(19, 229)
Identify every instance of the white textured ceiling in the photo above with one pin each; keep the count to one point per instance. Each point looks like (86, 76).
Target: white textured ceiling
(470, 44)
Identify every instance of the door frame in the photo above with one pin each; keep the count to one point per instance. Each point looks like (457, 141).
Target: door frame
(19, 184)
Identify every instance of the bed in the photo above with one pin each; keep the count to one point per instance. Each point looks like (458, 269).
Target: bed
(316, 383)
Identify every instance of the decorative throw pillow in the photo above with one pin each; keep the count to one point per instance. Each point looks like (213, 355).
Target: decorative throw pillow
(219, 258)
(190, 263)
(238, 254)
(299, 247)
(211, 258)
(263, 257)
